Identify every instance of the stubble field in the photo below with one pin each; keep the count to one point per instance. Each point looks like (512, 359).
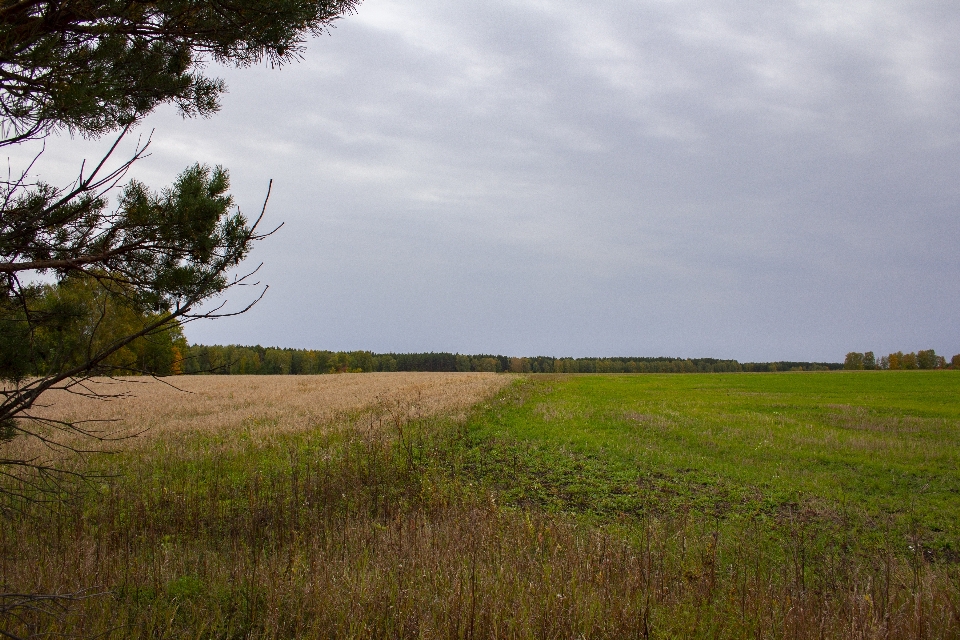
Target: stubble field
(132, 413)
(478, 506)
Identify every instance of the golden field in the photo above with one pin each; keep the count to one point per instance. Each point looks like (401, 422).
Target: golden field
(130, 411)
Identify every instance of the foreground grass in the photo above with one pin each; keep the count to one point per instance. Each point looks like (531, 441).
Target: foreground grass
(574, 506)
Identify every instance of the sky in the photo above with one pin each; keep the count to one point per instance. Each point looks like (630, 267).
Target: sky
(686, 178)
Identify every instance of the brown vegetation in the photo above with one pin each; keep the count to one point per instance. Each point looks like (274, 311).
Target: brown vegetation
(131, 411)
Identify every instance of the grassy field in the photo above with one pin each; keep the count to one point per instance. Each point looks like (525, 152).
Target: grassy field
(886, 444)
(808, 505)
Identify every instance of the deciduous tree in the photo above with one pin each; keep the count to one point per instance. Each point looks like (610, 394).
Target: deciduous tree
(928, 359)
(909, 361)
(853, 361)
(895, 360)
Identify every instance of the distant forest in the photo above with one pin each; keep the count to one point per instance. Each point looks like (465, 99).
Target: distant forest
(272, 360)
(914, 360)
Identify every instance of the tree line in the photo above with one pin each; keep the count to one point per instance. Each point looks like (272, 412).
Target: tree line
(927, 359)
(258, 360)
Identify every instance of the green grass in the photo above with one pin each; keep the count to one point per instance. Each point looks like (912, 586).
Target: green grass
(885, 445)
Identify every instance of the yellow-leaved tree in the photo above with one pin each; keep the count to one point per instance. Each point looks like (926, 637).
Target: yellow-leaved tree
(90, 315)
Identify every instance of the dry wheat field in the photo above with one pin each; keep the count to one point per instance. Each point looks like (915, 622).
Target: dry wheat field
(131, 412)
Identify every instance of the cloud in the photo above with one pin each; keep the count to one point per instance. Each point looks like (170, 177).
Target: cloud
(700, 178)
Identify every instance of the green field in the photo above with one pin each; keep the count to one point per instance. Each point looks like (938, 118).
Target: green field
(781, 505)
(885, 445)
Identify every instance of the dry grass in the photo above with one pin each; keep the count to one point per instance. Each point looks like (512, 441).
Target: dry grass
(148, 408)
(475, 572)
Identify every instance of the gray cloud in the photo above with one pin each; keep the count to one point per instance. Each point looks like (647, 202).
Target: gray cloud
(733, 179)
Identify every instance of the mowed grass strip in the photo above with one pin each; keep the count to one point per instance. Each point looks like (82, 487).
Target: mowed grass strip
(883, 444)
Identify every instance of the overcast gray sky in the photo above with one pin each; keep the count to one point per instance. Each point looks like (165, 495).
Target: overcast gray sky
(736, 179)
